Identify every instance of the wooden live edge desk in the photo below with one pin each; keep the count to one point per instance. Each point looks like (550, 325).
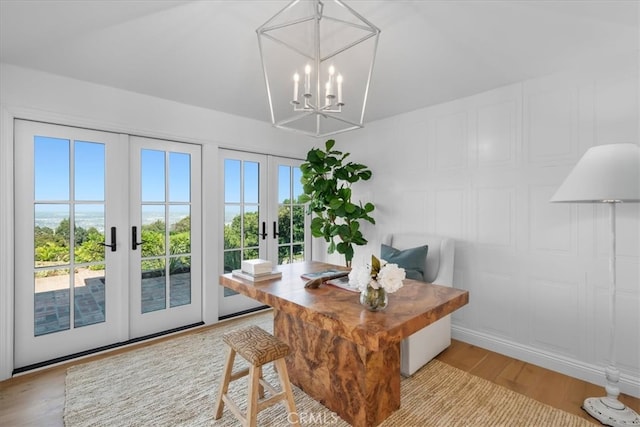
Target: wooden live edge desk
(343, 355)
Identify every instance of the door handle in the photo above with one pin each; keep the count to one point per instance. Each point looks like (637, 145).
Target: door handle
(134, 238)
(113, 240)
(264, 230)
(275, 231)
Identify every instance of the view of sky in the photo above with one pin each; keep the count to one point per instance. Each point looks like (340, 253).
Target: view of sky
(53, 163)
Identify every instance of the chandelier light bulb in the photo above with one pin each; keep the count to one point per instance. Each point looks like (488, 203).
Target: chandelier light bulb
(296, 79)
(307, 80)
(339, 80)
(330, 93)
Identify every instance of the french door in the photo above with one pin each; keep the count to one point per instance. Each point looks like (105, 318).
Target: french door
(262, 217)
(165, 257)
(80, 195)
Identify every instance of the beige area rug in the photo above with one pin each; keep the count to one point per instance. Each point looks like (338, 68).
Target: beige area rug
(174, 383)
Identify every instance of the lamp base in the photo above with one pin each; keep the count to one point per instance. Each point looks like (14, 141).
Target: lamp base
(611, 412)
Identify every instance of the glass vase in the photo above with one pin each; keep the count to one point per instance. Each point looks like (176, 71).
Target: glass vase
(374, 299)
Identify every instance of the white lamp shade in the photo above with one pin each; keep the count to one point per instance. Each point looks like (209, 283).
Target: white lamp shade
(606, 173)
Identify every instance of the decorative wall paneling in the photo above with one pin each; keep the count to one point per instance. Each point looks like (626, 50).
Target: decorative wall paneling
(482, 170)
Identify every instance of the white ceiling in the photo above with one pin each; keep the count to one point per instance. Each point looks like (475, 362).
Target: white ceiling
(205, 53)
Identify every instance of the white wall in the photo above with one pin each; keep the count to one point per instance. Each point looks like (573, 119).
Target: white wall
(34, 95)
(482, 170)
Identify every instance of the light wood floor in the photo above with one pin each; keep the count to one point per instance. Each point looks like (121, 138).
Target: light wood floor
(37, 399)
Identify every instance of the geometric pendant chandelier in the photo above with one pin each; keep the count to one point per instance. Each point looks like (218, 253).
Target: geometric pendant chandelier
(317, 59)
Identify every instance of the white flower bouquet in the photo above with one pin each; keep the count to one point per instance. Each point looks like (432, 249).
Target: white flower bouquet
(375, 281)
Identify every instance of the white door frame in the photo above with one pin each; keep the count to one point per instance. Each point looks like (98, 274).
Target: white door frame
(268, 214)
(155, 321)
(8, 114)
(113, 328)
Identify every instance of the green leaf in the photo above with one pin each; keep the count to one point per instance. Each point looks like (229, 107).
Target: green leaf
(312, 156)
(344, 231)
(349, 207)
(329, 144)
(342, 247)
(365, 175)
(348, 254)
(303, 198)
(369, 207)
(375, 265)
(335, 203)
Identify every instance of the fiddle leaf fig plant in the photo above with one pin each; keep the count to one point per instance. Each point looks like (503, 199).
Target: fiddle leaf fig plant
(326, 179)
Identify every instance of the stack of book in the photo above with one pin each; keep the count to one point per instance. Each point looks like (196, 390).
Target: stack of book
(256, 270)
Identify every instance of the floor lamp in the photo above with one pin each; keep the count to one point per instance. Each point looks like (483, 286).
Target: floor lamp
(607, 174)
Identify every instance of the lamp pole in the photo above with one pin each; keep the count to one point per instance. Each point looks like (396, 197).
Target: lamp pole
(609, 410)
(609, 174)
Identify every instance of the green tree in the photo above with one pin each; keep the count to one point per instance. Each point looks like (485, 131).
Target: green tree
(91, 249)
(153, 243)
(184, 225)
(179, 243)
(64, 230)
(157, 226)
(52, 252)
(44, 235)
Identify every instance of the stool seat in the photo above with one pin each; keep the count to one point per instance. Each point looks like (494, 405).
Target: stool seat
(256, 345)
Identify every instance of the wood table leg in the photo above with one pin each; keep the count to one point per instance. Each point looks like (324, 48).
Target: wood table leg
(360, 385)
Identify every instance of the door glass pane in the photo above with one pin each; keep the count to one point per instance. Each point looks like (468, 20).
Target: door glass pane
(89, 171)
(298, 224)
(232, 261)
(284, 224)
(297, 185)
(153, 175)
(251, 182)
(284, 255)
(250, 224)
(231, 181)
(51, 301)
(166, 229)
(232, 220)
(153, 285)
(51, 235)
(179, 229)
(291, 216)
(88, 296)
(153, 230)
(284, 184)
(89, 276)
(180, 280)
(297, 253)
(89, 233)
(179, 177)
(251, 253)
(68, 233)
(51, 168)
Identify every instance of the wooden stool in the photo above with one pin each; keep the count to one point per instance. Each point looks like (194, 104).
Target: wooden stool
(258, 347)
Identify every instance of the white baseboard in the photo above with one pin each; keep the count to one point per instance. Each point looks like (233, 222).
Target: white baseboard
(628, 384)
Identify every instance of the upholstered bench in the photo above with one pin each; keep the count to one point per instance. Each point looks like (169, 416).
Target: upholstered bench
(258, 347)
